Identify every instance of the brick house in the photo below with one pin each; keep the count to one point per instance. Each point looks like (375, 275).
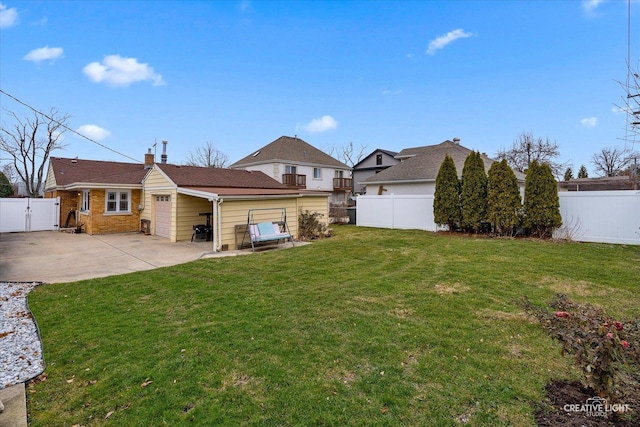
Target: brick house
(168, 200)
(102, 196)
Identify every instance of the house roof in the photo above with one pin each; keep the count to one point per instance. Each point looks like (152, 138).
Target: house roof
(289, 150)
(423, 163)
(70, 171)
(374, 152)
(197, 176)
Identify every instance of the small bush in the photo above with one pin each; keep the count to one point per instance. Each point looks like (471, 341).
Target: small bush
(600, 345)
(310, 227)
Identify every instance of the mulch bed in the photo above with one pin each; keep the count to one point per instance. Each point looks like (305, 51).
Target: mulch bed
(561, 393)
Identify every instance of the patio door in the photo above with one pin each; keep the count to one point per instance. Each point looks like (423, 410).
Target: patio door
(163, 216)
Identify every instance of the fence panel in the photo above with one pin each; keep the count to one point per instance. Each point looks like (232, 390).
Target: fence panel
(601, 216)
(20, 215)
(587, 216)
(396, 211)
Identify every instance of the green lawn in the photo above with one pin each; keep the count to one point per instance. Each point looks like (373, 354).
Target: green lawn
(369, 327)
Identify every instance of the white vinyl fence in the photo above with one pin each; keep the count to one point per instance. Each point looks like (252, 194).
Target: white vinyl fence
(396, 211)
(29, 214)
(587, 216)
(601, 216)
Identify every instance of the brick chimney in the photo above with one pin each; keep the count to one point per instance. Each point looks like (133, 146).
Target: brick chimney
(149, 159)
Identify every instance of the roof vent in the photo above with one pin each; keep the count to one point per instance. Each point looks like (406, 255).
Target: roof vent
(256, 153)
(74, 160)
(456, 140)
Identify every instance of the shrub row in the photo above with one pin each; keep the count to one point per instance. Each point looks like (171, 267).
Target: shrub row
(491, 202)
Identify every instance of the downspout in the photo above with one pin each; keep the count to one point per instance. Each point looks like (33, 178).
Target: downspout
(219, 233)
(215, 234)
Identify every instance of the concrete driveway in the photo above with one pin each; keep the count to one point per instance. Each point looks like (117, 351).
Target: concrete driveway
(54, 257)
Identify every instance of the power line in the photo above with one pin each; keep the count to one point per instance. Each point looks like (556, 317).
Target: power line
(67, 127)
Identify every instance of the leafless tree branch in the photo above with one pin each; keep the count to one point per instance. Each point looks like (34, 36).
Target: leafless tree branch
(30, 142)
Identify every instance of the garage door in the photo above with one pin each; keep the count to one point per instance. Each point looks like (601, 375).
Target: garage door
(163, 216)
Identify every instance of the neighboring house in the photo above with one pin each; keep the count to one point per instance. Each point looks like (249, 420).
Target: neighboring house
(372, 164)
(299, 165)
(609, 183)
(169, 200)
(416, 173)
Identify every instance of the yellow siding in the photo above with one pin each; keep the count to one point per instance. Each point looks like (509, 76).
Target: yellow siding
(189, 209)
(318, 204)
(156, 184)
(234, 212)
(50, 180)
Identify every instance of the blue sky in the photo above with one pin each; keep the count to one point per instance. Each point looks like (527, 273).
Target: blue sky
(380, 74)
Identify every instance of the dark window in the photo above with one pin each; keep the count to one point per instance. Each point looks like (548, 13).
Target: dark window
(378, 159)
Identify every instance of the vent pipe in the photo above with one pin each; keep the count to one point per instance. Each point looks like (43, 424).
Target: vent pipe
(163, 157)
(456, 140)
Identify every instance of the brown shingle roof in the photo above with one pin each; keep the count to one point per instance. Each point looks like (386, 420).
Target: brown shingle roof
(69, 171)
(286, 149)
(423, 163)
(195, 176)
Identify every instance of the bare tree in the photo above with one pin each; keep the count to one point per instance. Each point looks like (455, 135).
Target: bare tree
(348, 154)
(613, 161)
(30, 142)
(526, 148)
(208, 156)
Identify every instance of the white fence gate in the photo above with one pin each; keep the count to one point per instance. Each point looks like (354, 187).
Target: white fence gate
(587, 216)
(29, 214)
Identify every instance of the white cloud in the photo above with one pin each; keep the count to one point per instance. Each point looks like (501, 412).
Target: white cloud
(93, 132)
(392, 92)
(322, 124)
(445, 39)
(589, 122)
(590, 6)
(8, 17)
(116, 70)
(44, 53)
(41, 22)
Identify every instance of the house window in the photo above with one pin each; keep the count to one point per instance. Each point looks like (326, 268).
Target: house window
(378, 159)
(339, 174)
(85, 200)
(317, 173)
(118, 201)
(290, 170)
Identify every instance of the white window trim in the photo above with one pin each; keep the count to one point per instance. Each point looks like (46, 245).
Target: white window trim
(86, 194)
(117, 201)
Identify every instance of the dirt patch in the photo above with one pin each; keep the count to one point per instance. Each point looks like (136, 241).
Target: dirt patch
(575, 287)
(450, 288)
(487, 313)
(556, 412)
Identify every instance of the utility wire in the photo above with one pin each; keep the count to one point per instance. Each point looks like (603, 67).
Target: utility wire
(67, 127)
